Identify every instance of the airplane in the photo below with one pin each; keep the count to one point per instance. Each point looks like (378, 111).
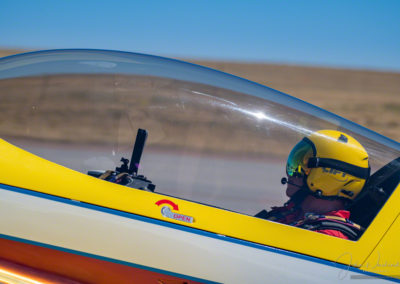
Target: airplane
(209, 152)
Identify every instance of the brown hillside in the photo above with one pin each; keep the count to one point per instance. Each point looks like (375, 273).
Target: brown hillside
(370, 98)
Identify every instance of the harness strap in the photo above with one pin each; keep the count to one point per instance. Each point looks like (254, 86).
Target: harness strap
(320, 222)
(276, 214)
(329, 225)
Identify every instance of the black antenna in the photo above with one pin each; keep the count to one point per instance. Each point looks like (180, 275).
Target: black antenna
(137, 151)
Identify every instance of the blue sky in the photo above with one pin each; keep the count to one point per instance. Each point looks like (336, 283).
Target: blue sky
(341, 33)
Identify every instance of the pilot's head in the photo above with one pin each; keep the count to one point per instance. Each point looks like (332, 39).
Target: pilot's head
(329, 164)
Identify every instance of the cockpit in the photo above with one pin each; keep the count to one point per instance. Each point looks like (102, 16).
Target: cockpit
(173, 128)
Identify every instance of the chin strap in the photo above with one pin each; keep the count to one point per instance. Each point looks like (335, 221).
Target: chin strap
(289, 211)
(299, 196)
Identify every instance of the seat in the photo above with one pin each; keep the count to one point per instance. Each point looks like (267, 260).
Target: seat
(375, 193)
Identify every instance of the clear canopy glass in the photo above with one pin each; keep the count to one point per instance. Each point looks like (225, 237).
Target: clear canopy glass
(213, 138)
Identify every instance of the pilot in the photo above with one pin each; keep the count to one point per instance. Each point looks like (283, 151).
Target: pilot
(325, 173)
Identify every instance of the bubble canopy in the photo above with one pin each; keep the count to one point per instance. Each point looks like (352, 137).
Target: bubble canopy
(213, 138)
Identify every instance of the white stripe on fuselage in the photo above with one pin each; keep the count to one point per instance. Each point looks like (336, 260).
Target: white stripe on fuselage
(156, 246)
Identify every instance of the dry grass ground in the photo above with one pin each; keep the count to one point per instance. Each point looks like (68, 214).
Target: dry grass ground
(369, 98)
(7, 52)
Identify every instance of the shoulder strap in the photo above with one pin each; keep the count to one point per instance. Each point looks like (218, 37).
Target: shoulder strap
(321, 222)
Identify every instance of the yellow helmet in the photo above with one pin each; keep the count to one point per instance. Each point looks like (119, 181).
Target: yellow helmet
(333, 163)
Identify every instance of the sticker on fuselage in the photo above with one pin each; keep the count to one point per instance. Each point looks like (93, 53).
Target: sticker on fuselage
(168, 213)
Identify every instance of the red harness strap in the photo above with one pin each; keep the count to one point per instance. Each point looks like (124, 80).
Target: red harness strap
(333, 223)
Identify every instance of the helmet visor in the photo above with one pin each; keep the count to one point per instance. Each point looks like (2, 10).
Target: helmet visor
(297, 161)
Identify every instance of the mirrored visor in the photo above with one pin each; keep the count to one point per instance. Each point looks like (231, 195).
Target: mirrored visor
(297, 161)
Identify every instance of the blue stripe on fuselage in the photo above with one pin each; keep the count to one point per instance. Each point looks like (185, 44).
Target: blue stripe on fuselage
(177, 227)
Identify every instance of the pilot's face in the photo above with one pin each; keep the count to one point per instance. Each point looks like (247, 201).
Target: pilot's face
(293, 185)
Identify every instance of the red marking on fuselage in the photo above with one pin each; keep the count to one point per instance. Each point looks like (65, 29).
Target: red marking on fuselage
(182, 217)
(165, 201)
